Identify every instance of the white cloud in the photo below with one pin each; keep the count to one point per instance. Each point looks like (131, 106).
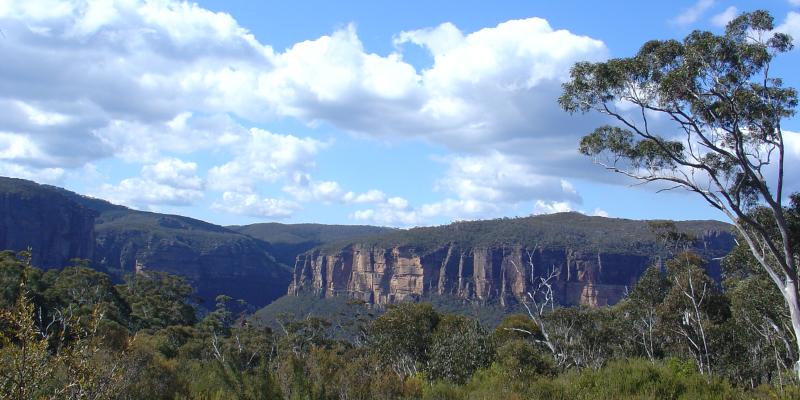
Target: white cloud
(251, 204)
(484, 87)
(186, 133)
(476, 187)
(142, 81)
(141, 193)
(91, 80)
(791, 25)
(792, 158)
(305, 189)
(370, 196)
(724, 17)
(19, 148)
(795, 3)
(500, 178)
(693, 13)
(600, 212)
(174, 172)
(792, 143)
(395, 211)
(169, 181)
(42, 175)
(550, 207)
(265, 157)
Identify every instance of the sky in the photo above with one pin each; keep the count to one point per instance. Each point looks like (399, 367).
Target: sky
(397, 113)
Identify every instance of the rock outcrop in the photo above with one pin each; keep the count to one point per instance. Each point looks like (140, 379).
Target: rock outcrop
(55, 228)
(587, 274)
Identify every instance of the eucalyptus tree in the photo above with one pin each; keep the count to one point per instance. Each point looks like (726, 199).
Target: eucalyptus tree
(704, 114)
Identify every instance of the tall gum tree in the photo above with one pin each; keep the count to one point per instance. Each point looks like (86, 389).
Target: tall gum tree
(723, 141)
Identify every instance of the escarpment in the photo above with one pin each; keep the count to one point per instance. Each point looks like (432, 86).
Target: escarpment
(59, 225)
(592, 267)
(53, 227)
(213, 259)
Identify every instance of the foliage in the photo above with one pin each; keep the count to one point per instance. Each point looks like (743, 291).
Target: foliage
(286, 241)
(459, 347)
(411, 351)
(705, 114)
(556, 231)
(403, 335)
(158, 299)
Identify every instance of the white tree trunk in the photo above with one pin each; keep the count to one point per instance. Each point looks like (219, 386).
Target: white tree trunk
(790, 294)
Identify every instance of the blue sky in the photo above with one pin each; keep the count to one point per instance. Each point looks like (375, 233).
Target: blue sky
(390, 113)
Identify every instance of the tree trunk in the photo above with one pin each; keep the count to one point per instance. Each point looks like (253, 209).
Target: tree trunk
(790, 294)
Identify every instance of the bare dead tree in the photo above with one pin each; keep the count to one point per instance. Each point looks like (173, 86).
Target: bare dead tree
(692, 327)
(538, 302)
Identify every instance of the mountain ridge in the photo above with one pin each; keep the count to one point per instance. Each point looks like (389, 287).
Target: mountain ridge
(595, 259)
(120, 240)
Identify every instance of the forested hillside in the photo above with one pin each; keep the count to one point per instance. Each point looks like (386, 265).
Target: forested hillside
(286, 241)
(59, 226)
(74, 333)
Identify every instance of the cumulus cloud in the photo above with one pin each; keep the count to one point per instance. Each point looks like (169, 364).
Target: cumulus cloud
(550, 207)
(722, 19)
(253, 205)
(791, 25)
(693, 13)
(394, 211)
(305, 189)
(175, 173)
(88, 80)
(482, 186)
(45, 175)
(264, 157)
(148, 81)
(484, 87)
(370, 196)
(500, 178)
(170, 181)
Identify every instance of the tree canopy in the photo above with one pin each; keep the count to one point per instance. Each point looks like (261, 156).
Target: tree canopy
(704, 114)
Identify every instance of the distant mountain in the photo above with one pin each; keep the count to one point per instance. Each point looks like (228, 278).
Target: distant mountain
(54, 226)
(60, 225)
(597, 259)
(286, 241)
(495, 261)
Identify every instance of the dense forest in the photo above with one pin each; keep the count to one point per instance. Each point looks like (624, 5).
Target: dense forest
(74, 333)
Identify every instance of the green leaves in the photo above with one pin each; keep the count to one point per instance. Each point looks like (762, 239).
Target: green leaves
(714, 88)
(459, 347)
(403, 335)
(158, 299)
(621, 144)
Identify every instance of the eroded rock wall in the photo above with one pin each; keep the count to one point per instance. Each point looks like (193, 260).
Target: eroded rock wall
(381, 276)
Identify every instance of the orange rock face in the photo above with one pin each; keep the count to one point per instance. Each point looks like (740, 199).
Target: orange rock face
(504, 274)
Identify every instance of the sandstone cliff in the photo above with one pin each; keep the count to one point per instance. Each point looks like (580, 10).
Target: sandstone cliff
(595, 260)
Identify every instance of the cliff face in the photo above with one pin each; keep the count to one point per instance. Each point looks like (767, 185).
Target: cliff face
(55, 228)
(382, 276)
(503, 273)
(60, 225)
(213, 259)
